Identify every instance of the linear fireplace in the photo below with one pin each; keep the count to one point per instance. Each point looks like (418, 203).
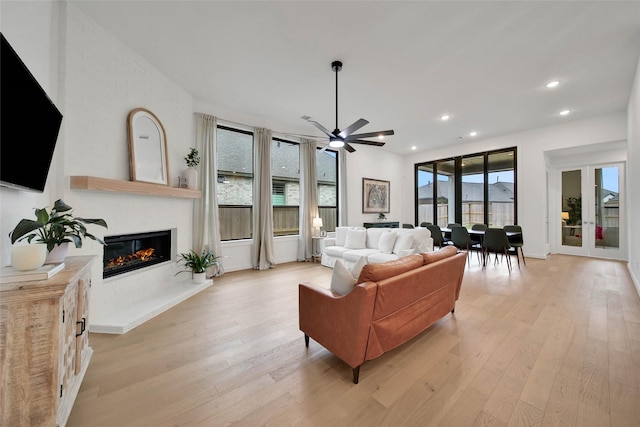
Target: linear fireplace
(129, 252)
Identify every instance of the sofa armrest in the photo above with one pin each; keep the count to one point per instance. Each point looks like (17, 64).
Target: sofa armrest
(339, 323)
(327, 241)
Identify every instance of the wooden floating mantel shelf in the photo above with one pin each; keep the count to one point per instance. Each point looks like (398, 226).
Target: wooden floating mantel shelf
(115, 185)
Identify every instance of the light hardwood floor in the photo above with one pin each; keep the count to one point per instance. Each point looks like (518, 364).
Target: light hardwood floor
(555, 343)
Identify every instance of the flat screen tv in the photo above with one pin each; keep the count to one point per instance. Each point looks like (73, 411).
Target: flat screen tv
(29, 125)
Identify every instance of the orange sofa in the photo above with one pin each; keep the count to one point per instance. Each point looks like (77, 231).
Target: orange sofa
(392, 303)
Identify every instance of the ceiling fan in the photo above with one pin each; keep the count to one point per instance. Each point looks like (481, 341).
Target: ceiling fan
(344, 138)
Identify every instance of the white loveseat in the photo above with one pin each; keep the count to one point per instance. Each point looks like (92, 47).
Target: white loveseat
(376, 244)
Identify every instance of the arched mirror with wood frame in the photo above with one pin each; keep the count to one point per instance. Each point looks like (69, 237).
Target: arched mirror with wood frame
(147, 148)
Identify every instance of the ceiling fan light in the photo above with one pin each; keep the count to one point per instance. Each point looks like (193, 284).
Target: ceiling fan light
(336, 143)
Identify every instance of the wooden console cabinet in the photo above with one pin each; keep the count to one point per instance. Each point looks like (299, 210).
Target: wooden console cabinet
(44, 345)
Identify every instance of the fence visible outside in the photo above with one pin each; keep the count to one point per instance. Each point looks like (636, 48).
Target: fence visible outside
(500, 214)
(236, 221)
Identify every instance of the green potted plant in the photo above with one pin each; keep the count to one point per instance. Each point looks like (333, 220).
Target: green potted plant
(191, 174)
(197, 264)
(381, 216)
(56, 228)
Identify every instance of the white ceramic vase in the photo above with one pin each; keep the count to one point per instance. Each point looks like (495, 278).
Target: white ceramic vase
(28, 257)
(199, 277)
(191, 174)
(57, 254)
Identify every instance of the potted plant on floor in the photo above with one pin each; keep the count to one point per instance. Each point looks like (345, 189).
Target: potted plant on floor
(197, 264)
(56, 228)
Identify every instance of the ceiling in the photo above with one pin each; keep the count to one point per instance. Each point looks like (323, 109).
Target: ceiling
(406, 64)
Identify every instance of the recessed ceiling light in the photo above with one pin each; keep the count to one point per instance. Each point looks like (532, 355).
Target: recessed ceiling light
(553, 84)
(564, 112)
(413, 147)
(444, 118)
(380, 136)
(474, 133)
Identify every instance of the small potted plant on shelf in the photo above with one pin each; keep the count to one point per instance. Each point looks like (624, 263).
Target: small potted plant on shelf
(197, 264)
(56, 228)
(191, 174)
(381, 216)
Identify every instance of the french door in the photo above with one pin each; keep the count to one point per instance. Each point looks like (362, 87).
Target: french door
(592, 211)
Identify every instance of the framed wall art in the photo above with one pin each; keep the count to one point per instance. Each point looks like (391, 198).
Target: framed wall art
(375, 196)
(147, 148)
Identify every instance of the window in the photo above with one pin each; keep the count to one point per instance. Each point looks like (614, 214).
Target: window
(327, 177)
(474, 189)
(285, 194)
(235, 175)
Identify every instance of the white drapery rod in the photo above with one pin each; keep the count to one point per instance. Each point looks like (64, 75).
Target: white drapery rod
(244, 126)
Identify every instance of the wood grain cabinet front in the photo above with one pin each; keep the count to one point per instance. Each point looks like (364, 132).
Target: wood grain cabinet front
(44, 345)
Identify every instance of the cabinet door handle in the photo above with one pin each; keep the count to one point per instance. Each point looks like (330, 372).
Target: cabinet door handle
(82, 323)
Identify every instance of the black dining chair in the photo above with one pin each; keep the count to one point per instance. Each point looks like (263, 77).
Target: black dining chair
(407, 226)
(495, 241)
(516, 240)
(453, 224)
(436, 235)
(425, 224)
(462, 240)
(477, 239)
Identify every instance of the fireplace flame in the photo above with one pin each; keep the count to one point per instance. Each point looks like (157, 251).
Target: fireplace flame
(142, 255)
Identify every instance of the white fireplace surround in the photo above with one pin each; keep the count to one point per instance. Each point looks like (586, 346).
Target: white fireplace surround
(127, 300)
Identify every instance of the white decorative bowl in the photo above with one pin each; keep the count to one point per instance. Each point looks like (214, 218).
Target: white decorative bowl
(28, 257)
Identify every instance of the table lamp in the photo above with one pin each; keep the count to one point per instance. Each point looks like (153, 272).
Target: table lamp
(565, 216)
(317, 225)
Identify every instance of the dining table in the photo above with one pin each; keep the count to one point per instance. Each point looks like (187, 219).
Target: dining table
(446, 232)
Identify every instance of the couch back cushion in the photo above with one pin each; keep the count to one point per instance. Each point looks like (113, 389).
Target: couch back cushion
(373, 236)
(381, 271)
(421, 237)
(387, 241)
(404, 242)
(341, 235)
(443, 253)
(356, 239)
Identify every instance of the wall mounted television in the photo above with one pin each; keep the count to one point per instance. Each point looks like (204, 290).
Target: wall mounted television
(29, 125)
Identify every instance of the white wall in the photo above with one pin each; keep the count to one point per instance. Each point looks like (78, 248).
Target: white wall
(532, 145)
(633, 178)
(32, 29)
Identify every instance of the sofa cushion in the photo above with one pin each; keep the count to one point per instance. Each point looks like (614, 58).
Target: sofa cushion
(421, 239)
(387, 241)
(373, 236)
(354, 255)
(403, 242)
(377, 272)
(443, 253)
(356, 239)
(341, 235)
(336, 251)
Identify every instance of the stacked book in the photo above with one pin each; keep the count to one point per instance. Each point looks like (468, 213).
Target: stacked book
(11, 275)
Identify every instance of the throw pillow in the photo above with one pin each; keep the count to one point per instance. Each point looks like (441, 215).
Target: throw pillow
(386, 243)
(342, 281)
(357, 268)
(356, 239)
(403, 242)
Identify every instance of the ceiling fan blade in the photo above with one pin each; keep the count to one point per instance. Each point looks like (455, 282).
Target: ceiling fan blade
(360, 141)
(323, 149)
(368, 135)
(354, 127)
(319, 126)
(349, 148)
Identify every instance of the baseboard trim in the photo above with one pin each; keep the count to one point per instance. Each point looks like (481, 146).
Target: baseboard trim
(634, 279)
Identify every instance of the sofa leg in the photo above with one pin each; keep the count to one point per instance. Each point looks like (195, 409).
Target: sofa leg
(306, 340)
(356, 374)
